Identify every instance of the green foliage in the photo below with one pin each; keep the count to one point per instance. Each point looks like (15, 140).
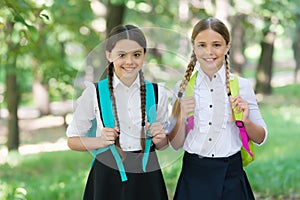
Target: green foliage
(274, 174)
(59, 175)
(275, 171)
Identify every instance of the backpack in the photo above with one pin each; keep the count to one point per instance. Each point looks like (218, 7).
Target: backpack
(247, 150)
(107, 118)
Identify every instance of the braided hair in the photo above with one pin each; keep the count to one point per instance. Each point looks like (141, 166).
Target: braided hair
(217, 26)
(132, 33)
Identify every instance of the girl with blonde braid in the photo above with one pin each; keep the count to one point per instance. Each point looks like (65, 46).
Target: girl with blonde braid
(123, 168)
(212, 165)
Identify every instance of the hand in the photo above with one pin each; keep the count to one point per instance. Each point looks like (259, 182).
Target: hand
(241, 105)
(108, 136)
(157, 132)
(187, 106)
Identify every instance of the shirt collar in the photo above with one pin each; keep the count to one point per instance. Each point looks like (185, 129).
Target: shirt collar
(221, 73)
(117, 82)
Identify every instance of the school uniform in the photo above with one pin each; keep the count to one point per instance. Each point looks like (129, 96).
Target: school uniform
(104, 179)
(212, 165)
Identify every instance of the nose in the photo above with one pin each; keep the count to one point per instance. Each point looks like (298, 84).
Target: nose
(209, 50)
(128, 59)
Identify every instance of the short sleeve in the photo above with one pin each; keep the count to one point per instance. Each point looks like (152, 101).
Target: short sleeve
(85, 109)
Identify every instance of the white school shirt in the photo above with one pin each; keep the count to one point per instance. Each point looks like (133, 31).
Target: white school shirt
(214, 133)
(129, 112)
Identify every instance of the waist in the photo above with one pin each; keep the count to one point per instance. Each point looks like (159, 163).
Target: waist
(229, 158)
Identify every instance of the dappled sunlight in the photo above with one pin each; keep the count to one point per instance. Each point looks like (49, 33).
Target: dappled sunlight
(44, 122)
(60, 145)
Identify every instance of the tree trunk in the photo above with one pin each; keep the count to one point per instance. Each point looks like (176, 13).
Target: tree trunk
(12, 93)
(265, 66)
(237, 56)
(296, 49)
(12, 106)
(114, 16)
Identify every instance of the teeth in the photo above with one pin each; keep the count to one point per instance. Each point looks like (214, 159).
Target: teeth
(129, 69)
(209, 59)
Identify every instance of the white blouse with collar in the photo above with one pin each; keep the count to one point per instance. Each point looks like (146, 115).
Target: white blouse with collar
(129, 112)
(214, 133)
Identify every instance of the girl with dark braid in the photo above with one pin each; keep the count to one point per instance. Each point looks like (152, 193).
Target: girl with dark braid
(212, 165)
(132, 172)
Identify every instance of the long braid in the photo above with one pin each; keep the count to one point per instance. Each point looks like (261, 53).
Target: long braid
(227, 64)
(114, 105)
(143, 108)
(183, 84)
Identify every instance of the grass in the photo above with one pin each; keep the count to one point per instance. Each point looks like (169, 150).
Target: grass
(273, 175)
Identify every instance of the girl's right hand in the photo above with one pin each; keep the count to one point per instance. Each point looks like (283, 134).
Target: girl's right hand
(108, 136)
(187, 106)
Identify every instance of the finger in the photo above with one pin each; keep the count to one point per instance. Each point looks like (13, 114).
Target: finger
(156, 128)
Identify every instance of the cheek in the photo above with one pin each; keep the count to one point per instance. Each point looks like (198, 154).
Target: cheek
(198, 52)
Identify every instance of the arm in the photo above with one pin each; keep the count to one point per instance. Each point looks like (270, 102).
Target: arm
(108, 136)
(252, 118)
(159, 137)
(178, 133)
(255, 133)
(87, 110)
(157, 129)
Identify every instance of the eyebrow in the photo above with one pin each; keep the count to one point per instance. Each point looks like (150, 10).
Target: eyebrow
(202, 42)
(134, 51)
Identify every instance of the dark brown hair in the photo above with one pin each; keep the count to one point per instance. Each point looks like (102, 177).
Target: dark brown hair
(118, 33)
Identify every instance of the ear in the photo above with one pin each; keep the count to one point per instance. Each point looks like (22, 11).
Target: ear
(228, 48)
(108, 56)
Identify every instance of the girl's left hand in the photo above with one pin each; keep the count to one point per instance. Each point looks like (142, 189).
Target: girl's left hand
(157, 132)
(241, 105)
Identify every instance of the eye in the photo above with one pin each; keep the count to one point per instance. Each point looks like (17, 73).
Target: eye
(201, 45)
(121, 55)
(137, 55)
(217, 45)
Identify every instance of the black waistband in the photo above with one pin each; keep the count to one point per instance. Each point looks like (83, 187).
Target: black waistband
(232, 157)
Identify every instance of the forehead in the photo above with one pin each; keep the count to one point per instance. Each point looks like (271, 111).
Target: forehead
(126, 45)
(208, 36)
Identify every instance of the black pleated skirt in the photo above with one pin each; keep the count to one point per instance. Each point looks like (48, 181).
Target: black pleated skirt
(213, 179)
(104, 182)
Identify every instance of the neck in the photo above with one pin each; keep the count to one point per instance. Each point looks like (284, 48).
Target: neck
(127, 81)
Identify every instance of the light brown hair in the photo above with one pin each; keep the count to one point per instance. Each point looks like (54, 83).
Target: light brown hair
(217, 26)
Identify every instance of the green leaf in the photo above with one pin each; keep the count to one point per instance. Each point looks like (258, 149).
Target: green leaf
(33, 32)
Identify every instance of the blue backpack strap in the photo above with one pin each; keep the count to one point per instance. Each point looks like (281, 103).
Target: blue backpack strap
(151, 101)
(109, 121)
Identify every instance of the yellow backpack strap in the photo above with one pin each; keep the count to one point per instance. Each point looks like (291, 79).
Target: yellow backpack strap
(234, 88)
(188, 93)
(191, 85)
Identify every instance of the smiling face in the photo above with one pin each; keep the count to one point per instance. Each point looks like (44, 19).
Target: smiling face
(128, 57)
(210, 49)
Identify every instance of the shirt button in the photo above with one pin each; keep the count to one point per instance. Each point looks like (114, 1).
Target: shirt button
(209, 139)
(129, 147)
(209, 123)
(211, 90)
(215, 76)
(212, 155)
(210, 106)
(128, 109)
(129, 127)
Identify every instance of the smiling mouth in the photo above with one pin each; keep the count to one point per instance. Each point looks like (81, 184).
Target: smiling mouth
(128, 69)
(209, 59)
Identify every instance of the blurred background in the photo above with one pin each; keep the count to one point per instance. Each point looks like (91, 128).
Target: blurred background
(49, 47)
